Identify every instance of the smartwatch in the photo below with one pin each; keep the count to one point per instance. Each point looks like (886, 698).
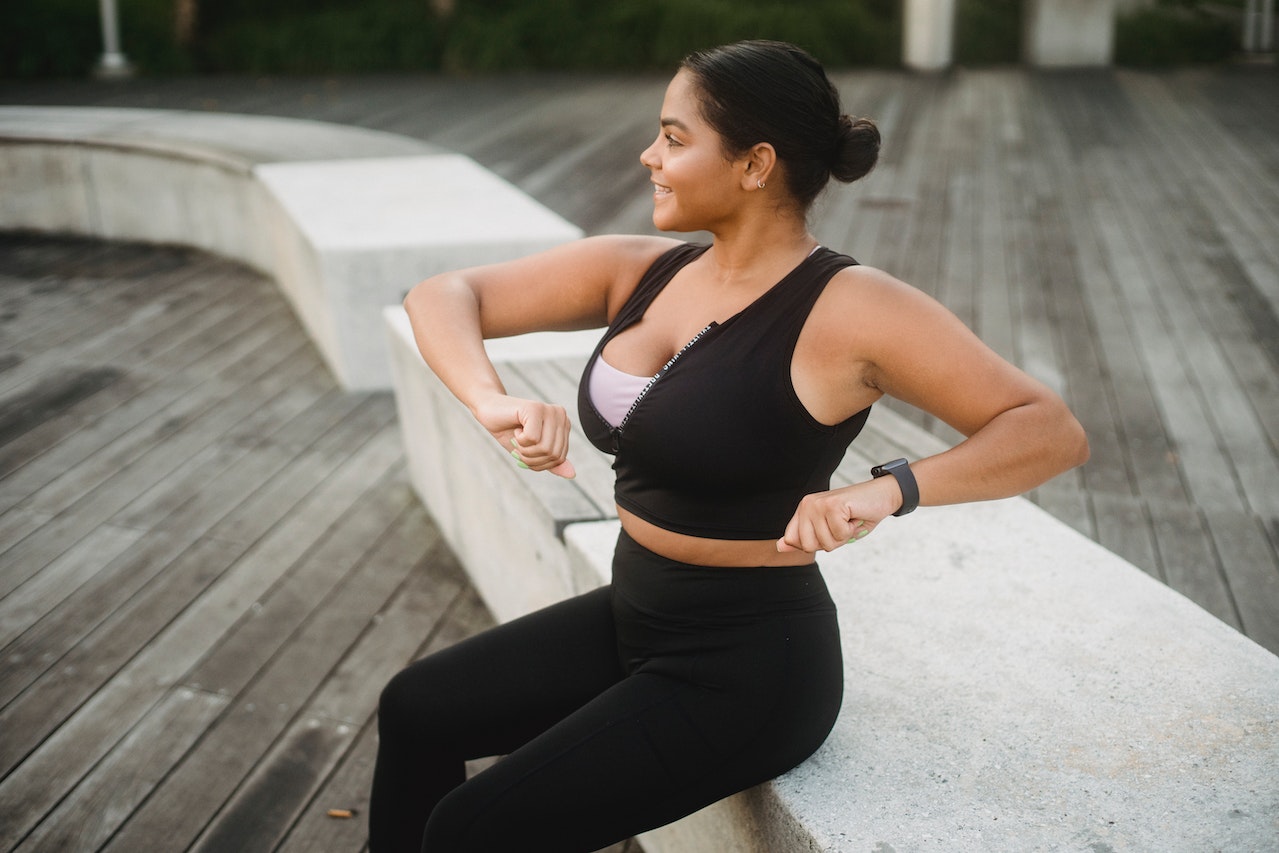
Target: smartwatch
(900, 469)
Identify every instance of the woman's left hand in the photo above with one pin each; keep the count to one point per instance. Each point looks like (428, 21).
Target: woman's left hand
(825, 521)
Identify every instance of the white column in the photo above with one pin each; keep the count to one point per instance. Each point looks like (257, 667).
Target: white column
(928, 34)
(1065, 33)
(1259, 26)
(112, 63)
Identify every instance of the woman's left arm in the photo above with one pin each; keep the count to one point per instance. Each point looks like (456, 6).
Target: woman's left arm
(903, 343)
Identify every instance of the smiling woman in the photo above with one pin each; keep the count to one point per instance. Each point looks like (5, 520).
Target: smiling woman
(728, 383)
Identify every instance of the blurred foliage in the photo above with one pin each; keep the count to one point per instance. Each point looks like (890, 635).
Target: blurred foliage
(63, 37)
(638, 34)
(45, 38)
(41, 38)
(381, 36)
(988, 32)
(1178, 32)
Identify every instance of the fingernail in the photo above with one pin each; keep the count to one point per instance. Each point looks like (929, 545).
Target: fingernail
(861, 534)
(515, 454)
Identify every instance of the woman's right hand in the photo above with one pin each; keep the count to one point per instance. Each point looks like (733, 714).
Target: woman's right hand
(534, 433)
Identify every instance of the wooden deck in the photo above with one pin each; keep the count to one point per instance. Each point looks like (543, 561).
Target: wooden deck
(210, 561)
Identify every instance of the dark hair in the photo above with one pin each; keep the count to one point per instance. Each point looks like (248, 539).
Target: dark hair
(774, 92)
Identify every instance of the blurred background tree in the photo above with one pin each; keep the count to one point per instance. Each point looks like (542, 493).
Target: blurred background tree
(42, 38)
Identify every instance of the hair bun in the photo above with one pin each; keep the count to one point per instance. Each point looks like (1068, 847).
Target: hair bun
(856, 149)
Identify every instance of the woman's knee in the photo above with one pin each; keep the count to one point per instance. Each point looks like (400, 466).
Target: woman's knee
(401, 706)
(451, 826)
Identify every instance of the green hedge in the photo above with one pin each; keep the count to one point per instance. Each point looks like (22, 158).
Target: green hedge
(638, 34)
(988, 32)
(1176, 32)
(41, 38)
(398, 37)
(62, 37)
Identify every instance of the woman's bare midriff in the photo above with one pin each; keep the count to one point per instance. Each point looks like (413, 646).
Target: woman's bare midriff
(708, 552)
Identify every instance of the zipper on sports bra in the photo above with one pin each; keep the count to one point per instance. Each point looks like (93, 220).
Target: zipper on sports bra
(617, 430)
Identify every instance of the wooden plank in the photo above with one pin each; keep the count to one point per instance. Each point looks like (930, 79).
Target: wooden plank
(197, 516)
(296, 768)
(269, 623)
(1088, 390)
(992, 317)
(17, 524)
(1191, 563)
(35, 402)
(349, 786)
(1249, 560)
(1122, 527)
(145, 418)
(1242, 196)
(291, 391)
(1180, 224)
(93, 501)
(216, 479)
(149, 376)
(46, 774)
(114, 789)
(99, 302)
(75, 567)
(412, 618)
(54, 667)
(200, 785)
(347, 790)
(126, 632)
(170, 436)
(373, 417)
(106, 338)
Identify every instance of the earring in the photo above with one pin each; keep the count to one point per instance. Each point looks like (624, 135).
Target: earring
(760, 184)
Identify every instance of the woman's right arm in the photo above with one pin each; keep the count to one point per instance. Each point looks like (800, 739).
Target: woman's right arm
(579, 285)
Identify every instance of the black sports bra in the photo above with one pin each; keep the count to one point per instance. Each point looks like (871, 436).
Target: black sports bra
(718, 445)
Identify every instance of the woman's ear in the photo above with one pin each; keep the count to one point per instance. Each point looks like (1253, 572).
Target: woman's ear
(760, 165)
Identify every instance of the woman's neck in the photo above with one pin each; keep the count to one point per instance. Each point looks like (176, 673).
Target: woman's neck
(745, 254)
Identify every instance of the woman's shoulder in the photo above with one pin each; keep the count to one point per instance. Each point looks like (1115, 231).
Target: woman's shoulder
(629, 248)
(628, 259)
(874, 301)
(860, 283)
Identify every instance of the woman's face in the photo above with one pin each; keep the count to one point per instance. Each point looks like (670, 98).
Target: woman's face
(693, 183)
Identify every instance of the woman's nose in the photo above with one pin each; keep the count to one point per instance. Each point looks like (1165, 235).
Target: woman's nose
(647, 160)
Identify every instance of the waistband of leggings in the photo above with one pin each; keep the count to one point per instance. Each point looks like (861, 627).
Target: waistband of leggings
(645, 577)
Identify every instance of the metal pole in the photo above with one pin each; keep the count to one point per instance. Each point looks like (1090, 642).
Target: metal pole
(113, 62)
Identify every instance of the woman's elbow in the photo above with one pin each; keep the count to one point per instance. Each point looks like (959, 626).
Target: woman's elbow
(431, 295)
(1073, 443)
(421, 292)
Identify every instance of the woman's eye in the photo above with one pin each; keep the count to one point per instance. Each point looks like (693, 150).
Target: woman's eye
(670, 140)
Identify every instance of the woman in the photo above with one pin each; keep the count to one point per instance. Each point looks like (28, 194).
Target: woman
(729, 383)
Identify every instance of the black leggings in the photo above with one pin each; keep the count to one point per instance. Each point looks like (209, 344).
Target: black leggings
(617, 711)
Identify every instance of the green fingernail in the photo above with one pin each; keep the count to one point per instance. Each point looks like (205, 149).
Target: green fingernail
(861, 534)
(515, 454)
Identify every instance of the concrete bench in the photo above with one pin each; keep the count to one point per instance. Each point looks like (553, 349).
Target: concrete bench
(1010, 684)
(345, 219)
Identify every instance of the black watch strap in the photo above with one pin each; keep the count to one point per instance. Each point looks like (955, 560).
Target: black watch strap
(900, 469)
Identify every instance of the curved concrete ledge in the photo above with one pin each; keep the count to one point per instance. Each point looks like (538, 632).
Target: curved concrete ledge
(1010, 685)
(345, 219)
